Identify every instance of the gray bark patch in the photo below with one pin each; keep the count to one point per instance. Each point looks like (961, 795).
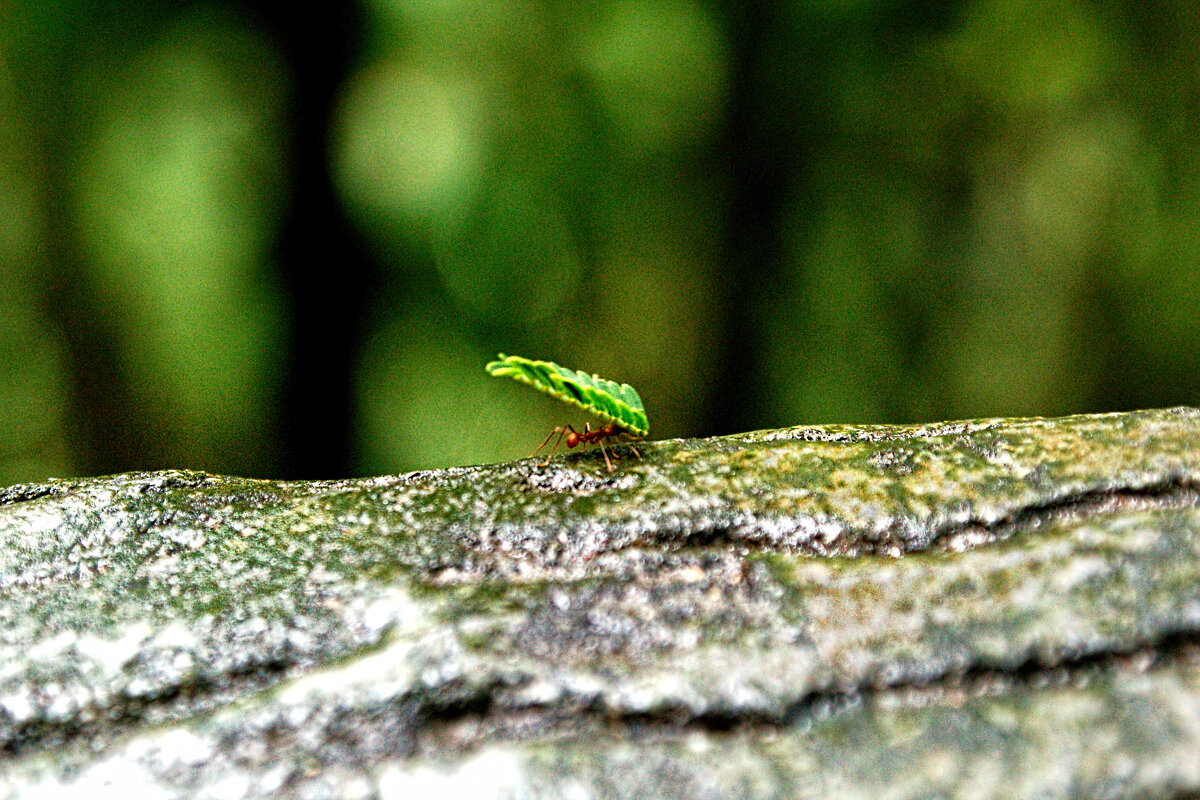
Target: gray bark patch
(993, 608)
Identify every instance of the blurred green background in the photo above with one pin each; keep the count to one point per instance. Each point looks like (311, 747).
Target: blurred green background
(254, 239)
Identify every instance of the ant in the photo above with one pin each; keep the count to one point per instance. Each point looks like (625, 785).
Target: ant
(589, 436)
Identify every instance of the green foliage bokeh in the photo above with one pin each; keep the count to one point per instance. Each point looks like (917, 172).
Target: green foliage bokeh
(869, 211)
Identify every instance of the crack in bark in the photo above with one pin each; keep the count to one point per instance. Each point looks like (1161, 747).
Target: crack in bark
(909, 537)
(467, 726)
(1092, 503)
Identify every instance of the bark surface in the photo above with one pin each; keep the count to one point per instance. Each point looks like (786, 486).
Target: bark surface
(990, 608)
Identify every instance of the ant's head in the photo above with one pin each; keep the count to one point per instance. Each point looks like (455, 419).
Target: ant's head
(572, 439)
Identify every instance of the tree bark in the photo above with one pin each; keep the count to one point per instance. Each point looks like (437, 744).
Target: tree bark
(992, 608)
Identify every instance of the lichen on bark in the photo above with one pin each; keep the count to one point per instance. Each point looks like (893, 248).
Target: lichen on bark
(1009, 607)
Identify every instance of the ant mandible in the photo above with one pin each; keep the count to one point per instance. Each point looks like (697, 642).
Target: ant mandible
(589, 436)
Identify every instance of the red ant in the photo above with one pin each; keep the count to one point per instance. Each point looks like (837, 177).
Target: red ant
(589, 436)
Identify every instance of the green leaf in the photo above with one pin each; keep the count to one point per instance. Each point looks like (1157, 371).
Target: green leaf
(614, 402)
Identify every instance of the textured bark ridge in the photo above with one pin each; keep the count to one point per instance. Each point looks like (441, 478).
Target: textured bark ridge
(991, 608)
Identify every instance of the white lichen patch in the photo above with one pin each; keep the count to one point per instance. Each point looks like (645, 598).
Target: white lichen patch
(494, 773)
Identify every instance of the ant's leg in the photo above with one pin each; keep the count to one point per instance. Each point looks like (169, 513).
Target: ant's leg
(605, 454)
(557, 430)
(561, 430)
(629, 443)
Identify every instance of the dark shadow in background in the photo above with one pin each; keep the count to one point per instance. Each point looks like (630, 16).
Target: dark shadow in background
(327, 275)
